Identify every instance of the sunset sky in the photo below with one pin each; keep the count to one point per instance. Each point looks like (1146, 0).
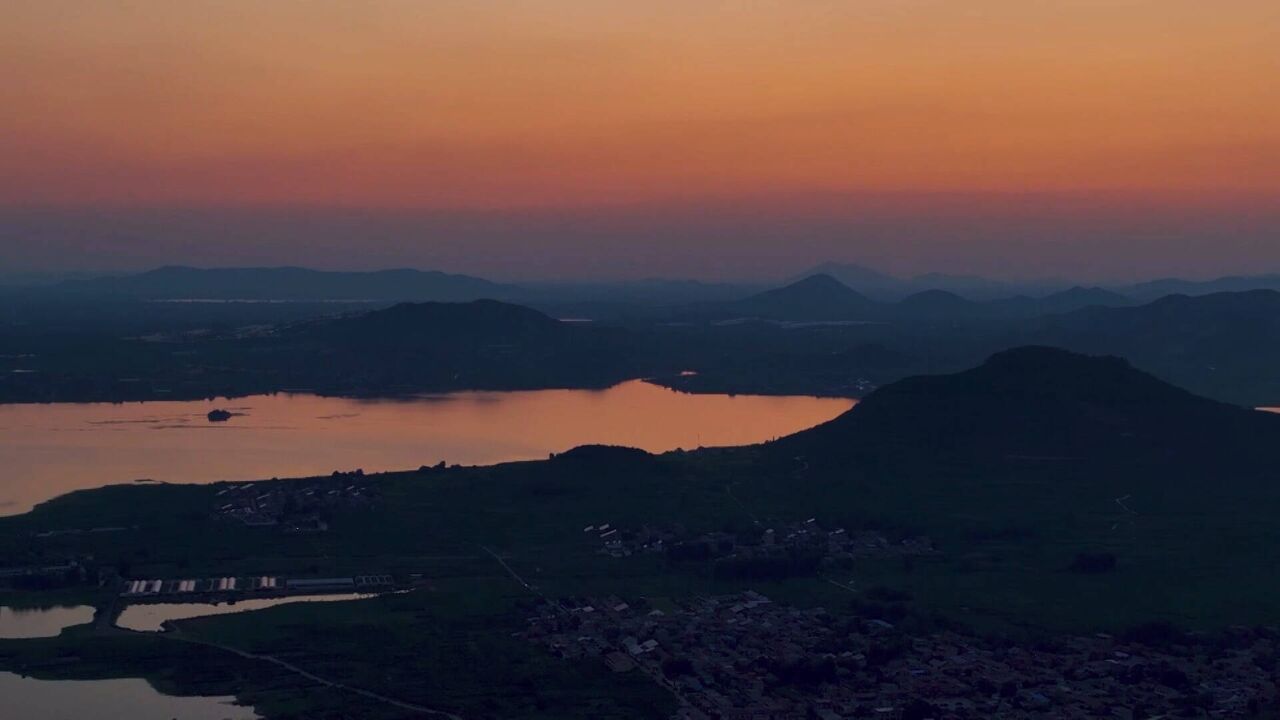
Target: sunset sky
(1103, 139)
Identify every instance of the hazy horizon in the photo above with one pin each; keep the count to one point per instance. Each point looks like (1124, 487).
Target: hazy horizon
(1004, 238)
(1097, 141)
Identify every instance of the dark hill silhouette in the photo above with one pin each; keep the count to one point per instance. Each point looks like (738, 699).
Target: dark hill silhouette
(1226, 344)
(604, 456)
(1252, 311)
(419, 325)
(292, 283)
(888, 288)
(814, 298)
(438, 346)
(817, 297)
(864, 279)
(1038, 457)
(1039, 402)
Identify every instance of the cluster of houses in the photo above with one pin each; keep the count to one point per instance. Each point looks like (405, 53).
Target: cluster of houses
(742, 656)
(804, 536)
(202, 586)
(296, 506)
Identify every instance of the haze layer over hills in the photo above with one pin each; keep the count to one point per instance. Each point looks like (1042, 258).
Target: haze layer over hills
(814, 336)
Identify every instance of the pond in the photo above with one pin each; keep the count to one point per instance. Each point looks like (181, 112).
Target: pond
(132, 698)
(151, 617)
(41, 622)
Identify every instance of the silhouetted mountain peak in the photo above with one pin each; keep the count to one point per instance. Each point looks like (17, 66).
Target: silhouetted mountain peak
(849, 273)
(817, 297)
(1032, 401)
(813, 289)
(820, 283)
(1043, 377)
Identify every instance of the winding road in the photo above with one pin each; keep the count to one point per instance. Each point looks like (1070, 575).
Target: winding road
(179, 637)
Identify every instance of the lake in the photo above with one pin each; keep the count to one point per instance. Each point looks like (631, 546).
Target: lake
(31, 699)
(53, 449)
(41, 622)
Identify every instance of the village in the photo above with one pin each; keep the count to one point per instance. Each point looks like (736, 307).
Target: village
(805, 537)
(297, 507)
(744, 657)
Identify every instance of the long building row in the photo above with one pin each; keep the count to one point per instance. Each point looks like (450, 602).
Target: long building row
(263, 583)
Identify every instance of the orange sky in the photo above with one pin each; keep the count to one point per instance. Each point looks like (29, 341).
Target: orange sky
(464, 104)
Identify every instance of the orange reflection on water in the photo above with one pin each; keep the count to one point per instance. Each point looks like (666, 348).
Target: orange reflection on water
(50, 450)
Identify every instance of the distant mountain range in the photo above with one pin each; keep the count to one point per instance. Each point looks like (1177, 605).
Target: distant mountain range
(809, 336)
(889, 288)
(825, 298)
(816, 297)
(292, 284)
(800, 298)
(1175, 286)
(1226, 345)
(1223, 345)
(296, 284)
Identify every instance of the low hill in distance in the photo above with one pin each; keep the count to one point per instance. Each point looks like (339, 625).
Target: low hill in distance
(1155, 289)
(484, 344)
(817, 297)
(292, 284)
(1223, 345)
(438, 325)
(884, 287)
(406, 348)
(824, 298)
(1226, 345)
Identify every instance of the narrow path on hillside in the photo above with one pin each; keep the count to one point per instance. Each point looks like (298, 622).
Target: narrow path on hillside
(176, 635)
(510, 571)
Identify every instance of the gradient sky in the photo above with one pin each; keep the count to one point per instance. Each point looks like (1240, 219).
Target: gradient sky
(1099, 138)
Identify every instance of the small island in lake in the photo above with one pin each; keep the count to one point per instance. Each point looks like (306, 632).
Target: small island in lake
(219, 415)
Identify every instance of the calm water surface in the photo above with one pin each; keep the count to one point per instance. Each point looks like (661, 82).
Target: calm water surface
(31, 699)
(52, 449)
(41, 622)
(150, 617)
